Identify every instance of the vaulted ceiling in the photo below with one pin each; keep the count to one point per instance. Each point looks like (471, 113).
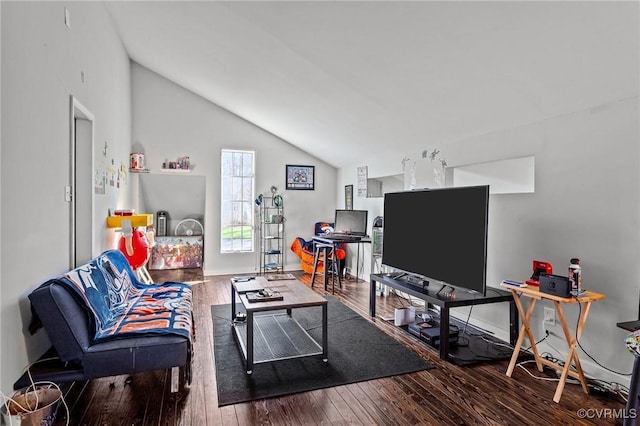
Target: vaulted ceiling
(349, 80)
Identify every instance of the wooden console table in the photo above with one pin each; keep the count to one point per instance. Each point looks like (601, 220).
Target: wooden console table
(534, 294)
(431, 295)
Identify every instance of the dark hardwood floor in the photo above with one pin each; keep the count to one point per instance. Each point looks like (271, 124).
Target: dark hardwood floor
(446, 395)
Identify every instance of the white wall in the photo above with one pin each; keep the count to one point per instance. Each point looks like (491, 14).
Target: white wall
(182, 195)
(586, 204)
(170, 122)
(42, 62)
(1, 304)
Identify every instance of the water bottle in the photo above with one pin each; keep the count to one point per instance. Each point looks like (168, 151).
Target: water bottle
(575, 276)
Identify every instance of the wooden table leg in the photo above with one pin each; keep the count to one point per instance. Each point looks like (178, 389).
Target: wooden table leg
(525, 330)
(581, 322)
(572, 356)
(532, 339)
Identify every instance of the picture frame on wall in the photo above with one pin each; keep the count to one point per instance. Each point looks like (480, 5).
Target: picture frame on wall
(300, 177)
(348, 197)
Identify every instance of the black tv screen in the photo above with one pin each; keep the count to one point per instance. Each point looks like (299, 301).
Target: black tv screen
(351, 221)
(438, 234)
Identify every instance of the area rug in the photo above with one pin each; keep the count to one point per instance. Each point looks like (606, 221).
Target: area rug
(357, 351)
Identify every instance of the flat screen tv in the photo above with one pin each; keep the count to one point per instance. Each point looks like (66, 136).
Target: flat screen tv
(438, 234)
(351, 221)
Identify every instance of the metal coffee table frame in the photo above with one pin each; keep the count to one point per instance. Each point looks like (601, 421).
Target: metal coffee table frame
(268, 336)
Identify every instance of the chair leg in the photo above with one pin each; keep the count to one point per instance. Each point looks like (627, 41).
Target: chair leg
(335, 271)
(316, 255)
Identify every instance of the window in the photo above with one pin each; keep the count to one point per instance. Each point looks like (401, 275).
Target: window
(237, 169)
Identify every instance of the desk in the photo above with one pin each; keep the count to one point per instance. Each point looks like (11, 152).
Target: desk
(534, 294)
(326, 239)
(430, 295)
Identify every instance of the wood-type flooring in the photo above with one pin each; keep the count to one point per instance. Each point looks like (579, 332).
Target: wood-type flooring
(479, 394)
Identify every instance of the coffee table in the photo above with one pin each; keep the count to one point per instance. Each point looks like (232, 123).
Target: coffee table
(267, 336)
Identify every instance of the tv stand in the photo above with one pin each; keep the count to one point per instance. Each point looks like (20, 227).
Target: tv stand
(445, 303)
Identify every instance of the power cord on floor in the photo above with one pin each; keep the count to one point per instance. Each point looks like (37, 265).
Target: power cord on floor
(609, 389)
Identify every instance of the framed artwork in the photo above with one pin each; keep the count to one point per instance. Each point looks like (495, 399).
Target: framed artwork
(300, 177)
(348, 197)
(363, 175)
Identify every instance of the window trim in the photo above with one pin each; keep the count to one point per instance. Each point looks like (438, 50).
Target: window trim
(223, 178)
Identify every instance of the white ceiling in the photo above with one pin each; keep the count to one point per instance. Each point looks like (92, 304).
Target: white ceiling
(350, 80)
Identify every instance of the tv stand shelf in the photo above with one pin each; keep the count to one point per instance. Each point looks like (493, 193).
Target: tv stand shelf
(433, 296)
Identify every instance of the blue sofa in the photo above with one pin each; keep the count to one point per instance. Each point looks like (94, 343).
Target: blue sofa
(102, 322)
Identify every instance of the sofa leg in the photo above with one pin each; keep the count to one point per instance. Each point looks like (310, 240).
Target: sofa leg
(175, 379)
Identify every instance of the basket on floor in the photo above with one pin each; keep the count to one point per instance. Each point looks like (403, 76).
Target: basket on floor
(32, 407)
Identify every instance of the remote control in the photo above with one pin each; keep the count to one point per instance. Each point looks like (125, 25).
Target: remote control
(514, 283)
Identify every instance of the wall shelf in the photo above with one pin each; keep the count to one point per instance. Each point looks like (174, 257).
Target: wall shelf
(176, 171)
(136, 220)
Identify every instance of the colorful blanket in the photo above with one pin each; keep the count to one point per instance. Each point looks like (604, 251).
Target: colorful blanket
(122, 305)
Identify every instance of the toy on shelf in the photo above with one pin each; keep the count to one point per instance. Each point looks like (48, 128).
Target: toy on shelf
(182, 164)
(539, 267)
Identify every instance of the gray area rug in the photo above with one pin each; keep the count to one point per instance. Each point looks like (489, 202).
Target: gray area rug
(358, 351)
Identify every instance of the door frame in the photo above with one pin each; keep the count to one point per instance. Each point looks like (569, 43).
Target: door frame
(79, 112)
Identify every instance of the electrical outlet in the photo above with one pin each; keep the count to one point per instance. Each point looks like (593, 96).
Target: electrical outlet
(549, 316)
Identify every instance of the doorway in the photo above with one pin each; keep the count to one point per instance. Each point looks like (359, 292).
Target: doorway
(81, 189)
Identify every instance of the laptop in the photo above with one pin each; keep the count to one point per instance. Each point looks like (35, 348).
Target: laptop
(350, 223)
